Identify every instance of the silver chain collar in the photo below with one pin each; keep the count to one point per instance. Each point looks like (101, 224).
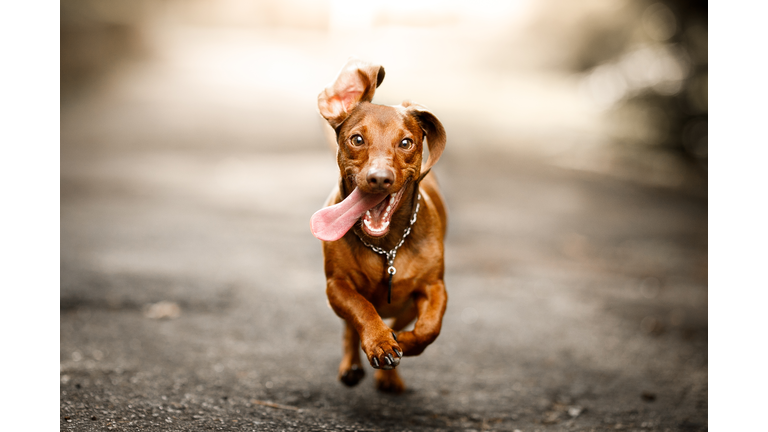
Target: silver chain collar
(391, 254)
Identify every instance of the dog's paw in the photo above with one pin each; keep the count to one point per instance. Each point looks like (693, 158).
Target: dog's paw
(388, 381)
(383, 351)
(410, 343)
(351, 376)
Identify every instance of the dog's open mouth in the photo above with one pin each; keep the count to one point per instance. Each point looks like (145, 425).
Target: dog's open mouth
(376, 220)
(375, 210)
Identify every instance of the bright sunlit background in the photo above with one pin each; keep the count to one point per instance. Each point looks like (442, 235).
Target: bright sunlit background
(609, 86)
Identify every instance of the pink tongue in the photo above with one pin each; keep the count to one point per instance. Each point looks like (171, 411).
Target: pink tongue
(331, 223)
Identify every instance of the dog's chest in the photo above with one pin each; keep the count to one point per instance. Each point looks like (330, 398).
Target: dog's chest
(411, 274)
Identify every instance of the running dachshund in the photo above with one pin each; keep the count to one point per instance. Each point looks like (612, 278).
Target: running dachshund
(383, 226)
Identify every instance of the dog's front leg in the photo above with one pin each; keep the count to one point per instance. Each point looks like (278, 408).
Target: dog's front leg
(377, 339)
(430, 304)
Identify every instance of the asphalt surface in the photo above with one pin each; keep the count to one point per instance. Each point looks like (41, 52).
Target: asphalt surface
(576, 303)
(192, 292)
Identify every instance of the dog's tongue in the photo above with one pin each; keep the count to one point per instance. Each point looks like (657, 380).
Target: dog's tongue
(331, 223)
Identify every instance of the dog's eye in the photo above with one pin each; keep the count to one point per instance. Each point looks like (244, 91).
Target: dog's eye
(356, 140)
(406, 143)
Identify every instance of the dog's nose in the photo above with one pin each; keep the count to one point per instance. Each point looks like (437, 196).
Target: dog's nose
(381, 178)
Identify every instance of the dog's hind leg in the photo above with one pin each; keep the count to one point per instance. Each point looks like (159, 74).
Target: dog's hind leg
(351, 369)
(389, 381)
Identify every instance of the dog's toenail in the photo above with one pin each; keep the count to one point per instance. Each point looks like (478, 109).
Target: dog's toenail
(387, 360)
(394, 337)
(376, 362)
(390, 359)
(399, 354)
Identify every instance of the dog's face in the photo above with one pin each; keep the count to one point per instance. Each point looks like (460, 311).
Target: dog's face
(380, 148)
(379, 151)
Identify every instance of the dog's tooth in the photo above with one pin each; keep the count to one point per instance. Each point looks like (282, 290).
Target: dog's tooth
(389, 207)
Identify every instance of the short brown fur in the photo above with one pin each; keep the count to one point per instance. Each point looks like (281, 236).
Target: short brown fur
(357, 282)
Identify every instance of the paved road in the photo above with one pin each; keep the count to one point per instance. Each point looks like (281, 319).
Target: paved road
(576, 302)
(192, 292)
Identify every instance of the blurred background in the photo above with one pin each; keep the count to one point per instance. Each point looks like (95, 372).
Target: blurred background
(616, 87)
(192, 157)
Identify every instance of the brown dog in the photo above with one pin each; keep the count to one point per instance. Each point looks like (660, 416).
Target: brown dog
(386, 205)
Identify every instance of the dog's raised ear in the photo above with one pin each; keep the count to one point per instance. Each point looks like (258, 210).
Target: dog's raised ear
(434, 131)
(356, 82)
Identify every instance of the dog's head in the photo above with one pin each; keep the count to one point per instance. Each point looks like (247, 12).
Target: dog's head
(379, 151)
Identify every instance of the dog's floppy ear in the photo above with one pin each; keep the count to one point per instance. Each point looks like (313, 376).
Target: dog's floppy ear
(434, 131)
(356, 82)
